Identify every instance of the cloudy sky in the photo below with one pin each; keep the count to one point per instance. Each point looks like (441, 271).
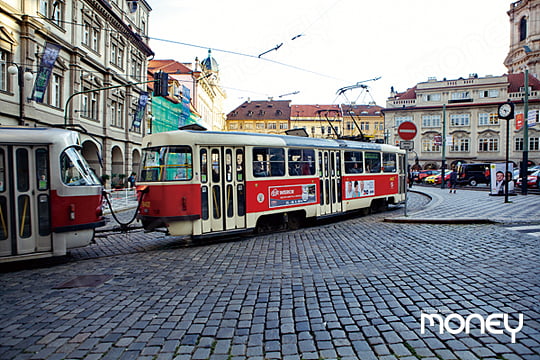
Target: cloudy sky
(326, 45)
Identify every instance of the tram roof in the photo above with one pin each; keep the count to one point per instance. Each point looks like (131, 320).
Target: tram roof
(37, 135)
(184, 137)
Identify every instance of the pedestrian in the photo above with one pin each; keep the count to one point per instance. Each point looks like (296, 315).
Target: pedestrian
(453, 180)
(131, 180)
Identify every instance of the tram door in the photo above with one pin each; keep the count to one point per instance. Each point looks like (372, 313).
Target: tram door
(223, 188)
(330, 183)
(24, 200)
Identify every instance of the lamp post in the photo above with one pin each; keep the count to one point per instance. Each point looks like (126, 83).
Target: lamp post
(22, 76)
(525, 161)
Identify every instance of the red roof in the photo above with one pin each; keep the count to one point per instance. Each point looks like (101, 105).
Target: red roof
(262, 110)
(314, 110)
(409, 94)
(168, 66)
(517, 81)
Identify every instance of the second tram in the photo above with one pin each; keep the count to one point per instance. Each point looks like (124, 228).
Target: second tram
(202, 183)
(50, 200)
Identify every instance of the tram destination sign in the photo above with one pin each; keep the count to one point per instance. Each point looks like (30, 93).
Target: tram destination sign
(407, 130)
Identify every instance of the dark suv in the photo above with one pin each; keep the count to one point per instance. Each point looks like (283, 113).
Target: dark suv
(473, 174)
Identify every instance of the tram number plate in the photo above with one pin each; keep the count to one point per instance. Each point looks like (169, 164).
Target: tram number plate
(406, 145)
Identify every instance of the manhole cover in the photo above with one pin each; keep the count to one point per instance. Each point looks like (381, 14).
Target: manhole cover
(84, 281)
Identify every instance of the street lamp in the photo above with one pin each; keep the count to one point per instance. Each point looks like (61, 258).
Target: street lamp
(22, 76)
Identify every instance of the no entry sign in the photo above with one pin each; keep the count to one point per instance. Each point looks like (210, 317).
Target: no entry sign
(407, 130)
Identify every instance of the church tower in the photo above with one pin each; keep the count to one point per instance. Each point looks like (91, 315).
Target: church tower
(524, 50)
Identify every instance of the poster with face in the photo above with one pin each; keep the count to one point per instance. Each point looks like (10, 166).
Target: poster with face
(498, 178)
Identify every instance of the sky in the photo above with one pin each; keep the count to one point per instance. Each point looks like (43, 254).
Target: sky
(327, 45)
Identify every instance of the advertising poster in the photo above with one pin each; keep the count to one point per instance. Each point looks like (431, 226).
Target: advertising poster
(359, 188)
(292, 195)
(498, 180)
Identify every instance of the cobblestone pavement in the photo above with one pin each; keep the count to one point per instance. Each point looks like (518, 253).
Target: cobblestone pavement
(351, 289)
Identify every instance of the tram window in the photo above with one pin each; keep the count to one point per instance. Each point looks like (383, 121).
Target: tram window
(204, 166)
(228, 165)
(301, 162)
(178, 163)
(167, 163)
(354, 162)
(216, 201)
(3, 220)
(241, 199)
(24, 216)
(332, 164)
(373, 162)
(43, 215)
(320, 164)
(389, 162)
(215, 165)
(239, 165)
(42, 169)
(74, 169)
(268, 162)
(2, 170)
(204, 202)
(230, 202)
(338, 164)
(23, 170)
(326, 164)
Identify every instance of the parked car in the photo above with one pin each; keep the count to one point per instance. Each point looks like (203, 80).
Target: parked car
(419, 176)
(431, 178)
(446, 177)
(473, 174)
(533, 179)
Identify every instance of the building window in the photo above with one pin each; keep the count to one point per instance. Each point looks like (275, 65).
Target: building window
(431, 121)
(117, 110)
(96, 34)
(459, 120)
(86, 34)
(488, 145)
(518, 144)
(460, 145)
(3, 70)
(260, 125)
(430, 145)
(488, 119)
(401, 119)
(534, 144)
(432, 97)
(272, 126)
(283, 126)
(56, 91)
(233, 126)
(136, 68)
(523, 29)
(461, 95)
(44, 7)
(489, 93)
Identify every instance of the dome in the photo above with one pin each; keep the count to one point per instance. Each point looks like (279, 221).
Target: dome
(210, 63)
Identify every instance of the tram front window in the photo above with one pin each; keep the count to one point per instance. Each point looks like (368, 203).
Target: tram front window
(167, 163)
(75, 170)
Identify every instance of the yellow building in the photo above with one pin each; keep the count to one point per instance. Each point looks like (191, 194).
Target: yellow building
(266, 116)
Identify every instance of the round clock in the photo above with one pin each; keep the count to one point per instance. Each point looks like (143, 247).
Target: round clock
(505, 110)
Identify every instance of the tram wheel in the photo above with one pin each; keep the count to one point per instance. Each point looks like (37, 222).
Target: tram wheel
(296, 220)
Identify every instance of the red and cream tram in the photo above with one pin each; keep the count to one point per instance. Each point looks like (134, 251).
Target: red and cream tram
(203, 183)
(50, 200)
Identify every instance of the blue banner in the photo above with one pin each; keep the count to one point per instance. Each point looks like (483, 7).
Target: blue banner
(139, 114)
(50, 54)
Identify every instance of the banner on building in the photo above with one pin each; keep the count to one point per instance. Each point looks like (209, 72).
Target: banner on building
(50, 54)
(532, 118)
(519, 121)
(141, 110)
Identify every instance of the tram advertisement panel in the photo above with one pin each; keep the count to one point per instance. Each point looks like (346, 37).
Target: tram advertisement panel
(292, 195)
(359, 188)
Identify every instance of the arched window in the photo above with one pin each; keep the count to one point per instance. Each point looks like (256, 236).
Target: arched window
(523, 29)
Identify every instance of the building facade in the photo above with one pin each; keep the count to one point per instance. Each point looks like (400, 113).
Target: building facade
(95, 82)
(462, 113)
(320, 121)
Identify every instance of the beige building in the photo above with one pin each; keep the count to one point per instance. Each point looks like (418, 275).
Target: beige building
(102, 47)
(463, 113)
(262, 116)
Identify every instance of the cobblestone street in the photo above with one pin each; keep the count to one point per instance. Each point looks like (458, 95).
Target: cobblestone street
(351, 289)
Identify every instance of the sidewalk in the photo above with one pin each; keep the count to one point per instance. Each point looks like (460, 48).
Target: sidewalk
(121, 200)
(471, 206)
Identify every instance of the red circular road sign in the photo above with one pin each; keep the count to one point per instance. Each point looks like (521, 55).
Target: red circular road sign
(407, 130)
